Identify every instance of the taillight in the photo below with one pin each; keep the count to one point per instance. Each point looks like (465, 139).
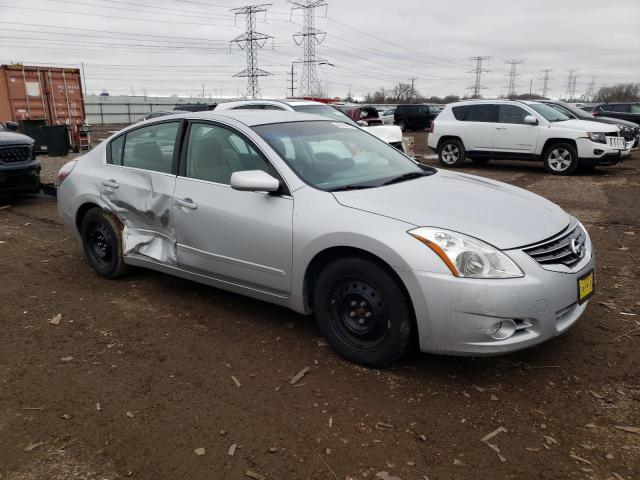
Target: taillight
(66, 170)
(431, 127)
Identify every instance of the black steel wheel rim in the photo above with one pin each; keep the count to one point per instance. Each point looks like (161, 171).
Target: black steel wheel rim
(358, 313)
(100, 243)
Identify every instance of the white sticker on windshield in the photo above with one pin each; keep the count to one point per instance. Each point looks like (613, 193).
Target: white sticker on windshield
(342, 125)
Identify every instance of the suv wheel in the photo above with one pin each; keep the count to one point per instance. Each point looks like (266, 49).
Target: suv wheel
(363, 311)
(452, 153)
(561, 159)
(102, 243)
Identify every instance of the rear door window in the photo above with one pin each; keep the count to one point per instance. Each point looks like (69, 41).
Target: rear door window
(148, 148)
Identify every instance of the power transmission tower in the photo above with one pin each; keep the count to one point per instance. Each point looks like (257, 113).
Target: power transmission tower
(591, 89)
(251, 41)
(413, 90)
(478, 71)
(571, 85)
(309, 37)
(545, 79)
(513, 75)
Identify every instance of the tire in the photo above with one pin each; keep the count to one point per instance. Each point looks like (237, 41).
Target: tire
(480, 160)
(363, 311)
(102, 243)
(451, 153)
(560, 159)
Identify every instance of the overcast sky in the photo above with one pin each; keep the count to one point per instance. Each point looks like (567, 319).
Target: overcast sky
(164, 47)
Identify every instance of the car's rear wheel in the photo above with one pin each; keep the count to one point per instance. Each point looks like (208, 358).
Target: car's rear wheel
(561, 159)
(363, 311)
(102, 243)
(452, 153)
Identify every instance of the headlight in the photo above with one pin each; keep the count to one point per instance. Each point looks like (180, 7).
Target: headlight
(467, 256)
(624, 128)
(599, 137)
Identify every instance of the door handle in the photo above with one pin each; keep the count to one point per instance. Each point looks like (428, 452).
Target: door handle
(501, 128)
(110, 183)
(186, 203)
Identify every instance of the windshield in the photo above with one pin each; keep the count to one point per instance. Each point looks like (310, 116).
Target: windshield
(336, 156)
(2, 128)
(548, 112)
(578, 112)
(325, 111)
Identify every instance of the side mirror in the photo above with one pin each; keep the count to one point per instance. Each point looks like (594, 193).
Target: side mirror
(254, 181)
(12, 126)
(363, 123)
(530, 120)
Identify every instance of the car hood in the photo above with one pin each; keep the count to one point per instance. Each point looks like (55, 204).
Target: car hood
(584, 125)
(388, 133)
(11, 138)
(615, 121)
(497, 213)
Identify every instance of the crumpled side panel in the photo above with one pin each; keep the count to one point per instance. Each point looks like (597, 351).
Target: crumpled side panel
(142, 202)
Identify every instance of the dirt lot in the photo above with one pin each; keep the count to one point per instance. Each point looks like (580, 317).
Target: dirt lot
(140, 372)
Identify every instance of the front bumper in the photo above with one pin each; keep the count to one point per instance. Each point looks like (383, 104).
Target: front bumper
(456, 316)
(594, 153)
(23, 177)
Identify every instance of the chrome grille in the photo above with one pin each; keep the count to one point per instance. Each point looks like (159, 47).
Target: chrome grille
(558, 251)
(15, 154)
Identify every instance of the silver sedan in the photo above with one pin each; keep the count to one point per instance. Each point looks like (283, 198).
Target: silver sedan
(324, 218)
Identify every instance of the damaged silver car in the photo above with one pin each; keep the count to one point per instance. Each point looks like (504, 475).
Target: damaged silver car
(322, 217)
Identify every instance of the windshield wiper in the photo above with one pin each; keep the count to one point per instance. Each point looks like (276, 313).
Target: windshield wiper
(405, 177)
(350, 187)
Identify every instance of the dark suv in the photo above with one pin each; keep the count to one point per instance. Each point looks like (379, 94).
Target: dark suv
(629, 111)
(19, 170)
(415, 116)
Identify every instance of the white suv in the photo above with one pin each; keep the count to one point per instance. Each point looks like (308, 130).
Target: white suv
(484, 130)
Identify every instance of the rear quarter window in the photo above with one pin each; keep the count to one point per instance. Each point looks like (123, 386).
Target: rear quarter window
(460, 113)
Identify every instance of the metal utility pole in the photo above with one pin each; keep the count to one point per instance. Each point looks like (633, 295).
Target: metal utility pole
(513, 75)
(545, 79)
(591, 89)
(251, 41)
(309, 37)
(478, 71)
(292, 84)
(413, 90)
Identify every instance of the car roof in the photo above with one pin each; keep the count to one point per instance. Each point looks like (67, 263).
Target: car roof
(290, 102)
(250, 118)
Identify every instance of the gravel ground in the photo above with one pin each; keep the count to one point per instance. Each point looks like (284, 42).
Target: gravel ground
(138, 374)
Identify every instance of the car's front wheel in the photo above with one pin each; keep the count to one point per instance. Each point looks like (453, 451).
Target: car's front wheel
(102, 243)
(452, 153)
(363, 311)
(561, 159)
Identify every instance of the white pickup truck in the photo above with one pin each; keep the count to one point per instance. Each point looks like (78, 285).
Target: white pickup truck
(484, 130)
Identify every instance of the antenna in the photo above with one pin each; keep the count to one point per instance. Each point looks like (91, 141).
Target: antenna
(478, 71)
(251, 41)
(309, 37)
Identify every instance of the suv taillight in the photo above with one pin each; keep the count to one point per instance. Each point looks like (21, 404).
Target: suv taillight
(66, 170)
(431, 127)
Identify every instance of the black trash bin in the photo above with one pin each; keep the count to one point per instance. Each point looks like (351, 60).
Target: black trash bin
(58, 140)
(33, 129)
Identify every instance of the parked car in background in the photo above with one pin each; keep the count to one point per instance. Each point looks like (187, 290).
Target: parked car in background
(629, 111)
(19, 169)
(361, 113)
(415, 116)
(323, 218)
(151, 115)
(486, 130)
(195, 107)
(629, 130)
(388, 116)
(389, 133)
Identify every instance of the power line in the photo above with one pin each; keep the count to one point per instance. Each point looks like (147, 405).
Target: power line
(252, 41)
(513, 74)
(478, 71)
(309, 37)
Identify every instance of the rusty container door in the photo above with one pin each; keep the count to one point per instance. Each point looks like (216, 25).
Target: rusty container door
(42, 93)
